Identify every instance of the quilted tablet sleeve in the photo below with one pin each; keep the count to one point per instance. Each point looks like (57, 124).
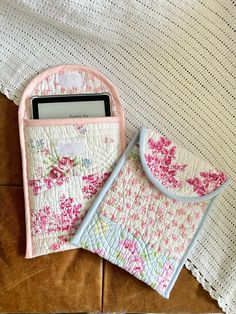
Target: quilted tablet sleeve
(151, 209)
(65, 161)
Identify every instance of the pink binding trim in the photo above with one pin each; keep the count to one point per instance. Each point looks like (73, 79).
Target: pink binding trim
(28, 92)
(70, 121)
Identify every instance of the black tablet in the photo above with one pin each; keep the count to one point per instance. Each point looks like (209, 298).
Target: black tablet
(71, 106)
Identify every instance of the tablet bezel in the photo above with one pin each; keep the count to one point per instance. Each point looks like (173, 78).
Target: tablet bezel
(36, 100)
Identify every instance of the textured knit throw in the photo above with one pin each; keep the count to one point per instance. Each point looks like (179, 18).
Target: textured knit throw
(173, 63)
(151, 209)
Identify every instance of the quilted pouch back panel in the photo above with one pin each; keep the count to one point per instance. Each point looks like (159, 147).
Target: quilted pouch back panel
(150, 211)
(65, 161)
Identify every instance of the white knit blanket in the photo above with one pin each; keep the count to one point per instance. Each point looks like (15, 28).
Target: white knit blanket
(173, 62)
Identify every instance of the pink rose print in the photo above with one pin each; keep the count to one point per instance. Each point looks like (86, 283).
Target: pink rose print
(208, 182)
(57, 175)
(94, 183)
(133, 262)
(65, 164)
(64, 220)
(160, 162)
(165, 277)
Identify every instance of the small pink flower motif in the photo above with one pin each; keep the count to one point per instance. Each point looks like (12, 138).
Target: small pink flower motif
(151, 221)
(110, 201)
(47, 210)
(197, 215)
(55, 246)
(95, 182)
(170, 212)
(143, 210)
(46, 221)
(158, 233)
(180, 212)
(129, 245)
(160, 162)
(174, 223)
(60, 181)
(108, 140)
(166, 241)
(133, 262)
(165, 277)
(189, 219)
(143, 224)
(129, 193)
(162, 142)
(152, 208)
(56, 173)
(174, 237)
(135, 265)
(45, 151)
(134, 181)
(167, 226)
(77, 207)
(182, 227)
(36, 185)
(134, 216)
(48, 182)
(113, 217)
(208, 182)
(162, 284)
(136, 234)
(63, 240)
(65, 164)
(80, 128)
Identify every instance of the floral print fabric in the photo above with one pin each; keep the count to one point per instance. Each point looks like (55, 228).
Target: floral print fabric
(142, 229)
(62, 185)
(181, 172)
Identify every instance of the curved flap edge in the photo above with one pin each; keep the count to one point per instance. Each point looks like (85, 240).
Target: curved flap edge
(155, 170)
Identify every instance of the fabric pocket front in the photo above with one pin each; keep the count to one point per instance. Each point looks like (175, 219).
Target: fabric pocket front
(65, 161)
(150, 211)
(66, 166)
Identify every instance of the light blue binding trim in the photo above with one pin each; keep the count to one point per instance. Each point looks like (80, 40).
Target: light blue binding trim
(162, 188)
(91, 212)
(140, 136)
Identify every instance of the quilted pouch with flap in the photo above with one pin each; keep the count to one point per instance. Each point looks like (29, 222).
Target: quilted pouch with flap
(151, 209)
(65, 161)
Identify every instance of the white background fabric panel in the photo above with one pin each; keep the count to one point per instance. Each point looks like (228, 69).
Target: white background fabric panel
(173, 62)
